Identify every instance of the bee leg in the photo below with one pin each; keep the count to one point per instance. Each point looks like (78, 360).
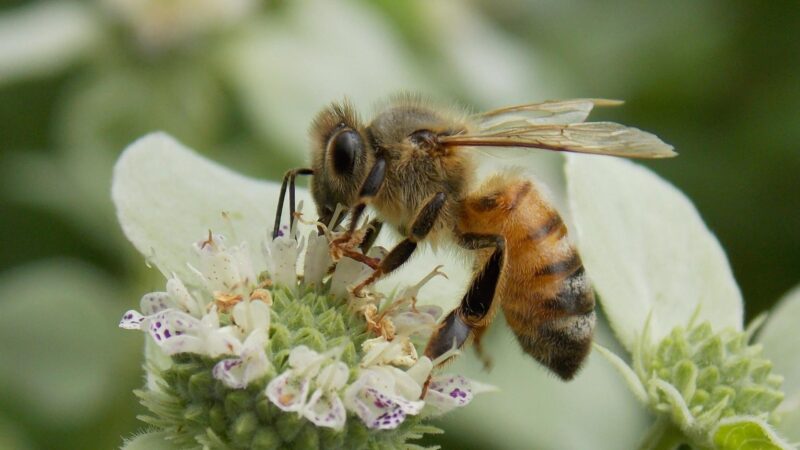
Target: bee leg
(288, 179)
(369, 189)
(423, 223)
(469, 318)
(372, 234)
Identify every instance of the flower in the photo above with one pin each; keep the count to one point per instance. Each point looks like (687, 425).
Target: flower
(670, 296)
(239, 338)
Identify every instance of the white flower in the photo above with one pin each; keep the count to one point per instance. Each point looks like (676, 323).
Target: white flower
(225, 270)
(288, 391)
(281, 254)
(175, 331)
(325, 407)
(251, 364)
(383, 396)
(317, 259)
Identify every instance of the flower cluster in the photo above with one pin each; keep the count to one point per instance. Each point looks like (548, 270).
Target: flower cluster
(305, 358)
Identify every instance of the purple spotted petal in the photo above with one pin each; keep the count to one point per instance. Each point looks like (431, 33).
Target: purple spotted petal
(155, 302)
(288, 391)
(446, 393)
(131, 320)
(325, 410)
(176, 332)
(230, 372)
(380, 410)
(455, 387)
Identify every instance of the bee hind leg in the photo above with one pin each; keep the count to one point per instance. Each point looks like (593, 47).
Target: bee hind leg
(470, 318)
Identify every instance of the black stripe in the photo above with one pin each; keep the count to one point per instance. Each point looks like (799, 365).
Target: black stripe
(568, 265)
(521, 193)
(547, 229)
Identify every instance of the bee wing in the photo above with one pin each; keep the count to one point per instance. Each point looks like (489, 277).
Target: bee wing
(602, 138)
(560, 126)
(553, 112)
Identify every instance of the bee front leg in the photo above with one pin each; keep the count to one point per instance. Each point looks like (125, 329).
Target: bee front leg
(369, 189)
(423, 223)
(472, 315)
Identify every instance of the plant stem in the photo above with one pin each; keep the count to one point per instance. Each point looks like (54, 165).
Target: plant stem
(663, 435)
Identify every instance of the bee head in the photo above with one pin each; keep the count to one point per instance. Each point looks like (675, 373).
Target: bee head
(340, 158)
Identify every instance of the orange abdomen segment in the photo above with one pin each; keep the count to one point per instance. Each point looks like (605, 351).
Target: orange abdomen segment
(544, 292)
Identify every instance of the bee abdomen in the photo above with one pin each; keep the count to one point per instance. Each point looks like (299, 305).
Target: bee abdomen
(554, 323)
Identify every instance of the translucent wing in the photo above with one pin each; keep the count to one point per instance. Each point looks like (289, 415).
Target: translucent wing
(546, 113)
(560, 126)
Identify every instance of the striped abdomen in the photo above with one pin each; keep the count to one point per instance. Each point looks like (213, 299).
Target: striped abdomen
(544, 292)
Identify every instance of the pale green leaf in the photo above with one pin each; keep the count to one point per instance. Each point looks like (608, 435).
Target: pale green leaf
(781, 339)
(326, 51)
(168, 197)
(61, 350)
(747, 433)
(647, 250)
(150, 441)
(42, 38)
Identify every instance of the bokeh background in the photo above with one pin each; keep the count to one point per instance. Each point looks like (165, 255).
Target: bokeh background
(239, 80)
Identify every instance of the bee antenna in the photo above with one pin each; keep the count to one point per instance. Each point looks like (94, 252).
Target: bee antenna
(288, 180)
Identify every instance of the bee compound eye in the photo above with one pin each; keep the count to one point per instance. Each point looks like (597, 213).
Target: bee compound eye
(346, 147)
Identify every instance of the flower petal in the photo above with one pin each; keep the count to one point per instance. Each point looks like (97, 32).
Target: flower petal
(380, 410)
(231, 372)
(44, 37)
(333, 376)
(251, 315)
(781, 339)
(131, 320)
(317, 258)
(325, 410)
(154, 302)
(167, 196)
(176, 332)
(282, 253)
(647, 250)
(374, 397)
(288, 391)
(448, 392)
(182, 298)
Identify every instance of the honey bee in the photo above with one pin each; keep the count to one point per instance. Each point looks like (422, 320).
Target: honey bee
(415, 164)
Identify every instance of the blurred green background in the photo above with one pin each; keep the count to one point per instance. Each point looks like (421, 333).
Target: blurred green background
(239, 80)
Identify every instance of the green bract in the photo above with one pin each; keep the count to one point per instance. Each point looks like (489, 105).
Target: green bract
(697, 378)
